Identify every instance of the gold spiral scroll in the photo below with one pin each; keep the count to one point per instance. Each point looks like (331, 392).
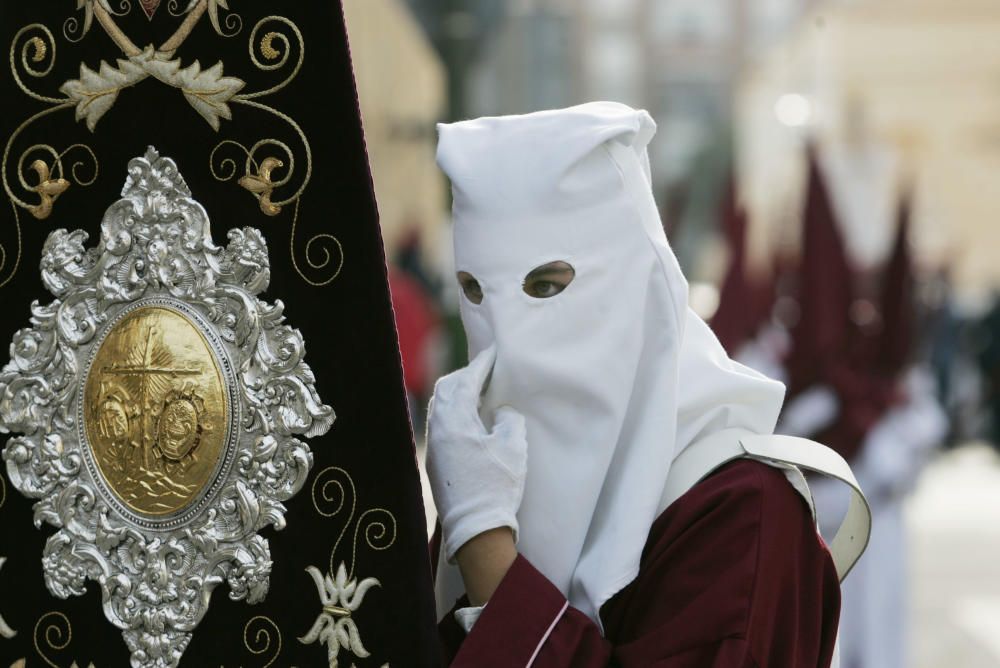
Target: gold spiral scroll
(329, 506)
(56, 637)
(330, 491)
(322, 239)
(380, 533)
(262, 640)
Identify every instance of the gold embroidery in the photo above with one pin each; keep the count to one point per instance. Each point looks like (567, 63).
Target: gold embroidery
(269, 51)
(267, 46)
(37, 48)
(48, 190)
(309, 245)
(57, 644)
(233, 22)
(174, 7)
(262, 638)
(195, 12)
(40, 49)
(208, 91)
(31, 46)
(339, 590)
(74, 31)
(114, 32)
(53, 636)
(261, 184)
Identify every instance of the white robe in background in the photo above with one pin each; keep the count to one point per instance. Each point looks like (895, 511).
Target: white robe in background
(873, 620)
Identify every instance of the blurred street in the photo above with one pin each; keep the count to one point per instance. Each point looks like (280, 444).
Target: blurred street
(954, 524)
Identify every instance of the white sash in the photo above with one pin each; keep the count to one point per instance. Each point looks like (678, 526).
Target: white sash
(703, 457)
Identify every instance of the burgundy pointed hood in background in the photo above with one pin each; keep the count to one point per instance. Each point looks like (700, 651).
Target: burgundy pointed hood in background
(732, 321)
(897, 307)
(828, 347)
(745, 300)
(824, 288)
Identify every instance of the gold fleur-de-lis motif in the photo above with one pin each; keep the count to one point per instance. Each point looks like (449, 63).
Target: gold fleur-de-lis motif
(261, 185)
(48, 190)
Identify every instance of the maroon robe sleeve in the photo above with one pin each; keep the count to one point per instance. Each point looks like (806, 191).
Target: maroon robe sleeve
(733, 575)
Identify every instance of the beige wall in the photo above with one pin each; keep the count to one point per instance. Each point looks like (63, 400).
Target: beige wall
(927, 73)
(401, 86)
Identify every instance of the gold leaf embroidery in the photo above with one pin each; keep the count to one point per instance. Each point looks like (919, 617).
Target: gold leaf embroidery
(261, 184)
(48, 190)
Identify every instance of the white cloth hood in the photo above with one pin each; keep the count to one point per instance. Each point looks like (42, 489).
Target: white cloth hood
(615, 375)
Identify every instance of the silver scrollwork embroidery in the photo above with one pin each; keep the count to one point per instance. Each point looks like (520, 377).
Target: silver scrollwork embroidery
(157, 572)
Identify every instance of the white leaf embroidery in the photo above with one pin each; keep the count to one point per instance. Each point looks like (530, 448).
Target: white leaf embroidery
(208, 91)
(335, 627)
(96, 92)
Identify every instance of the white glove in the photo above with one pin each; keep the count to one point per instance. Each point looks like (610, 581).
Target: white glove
(477, 477)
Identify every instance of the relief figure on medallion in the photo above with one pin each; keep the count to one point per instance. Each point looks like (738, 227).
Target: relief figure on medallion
(155, 410)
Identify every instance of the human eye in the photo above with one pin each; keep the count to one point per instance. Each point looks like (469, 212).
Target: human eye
(548, 280)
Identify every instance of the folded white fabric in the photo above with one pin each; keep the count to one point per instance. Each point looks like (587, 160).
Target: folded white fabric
(467, 617)
(477, 476)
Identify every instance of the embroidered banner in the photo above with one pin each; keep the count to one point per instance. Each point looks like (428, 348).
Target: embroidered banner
(207, 459)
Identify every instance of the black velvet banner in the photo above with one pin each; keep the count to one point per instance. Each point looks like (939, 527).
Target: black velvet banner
(361, 505)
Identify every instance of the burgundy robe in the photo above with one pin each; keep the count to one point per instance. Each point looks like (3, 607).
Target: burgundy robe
(733, 575)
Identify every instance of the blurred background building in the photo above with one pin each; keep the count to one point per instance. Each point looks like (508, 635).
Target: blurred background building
(899, 101)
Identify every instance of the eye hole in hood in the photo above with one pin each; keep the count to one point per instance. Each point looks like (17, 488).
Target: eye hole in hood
(548, 280)
(470, 286)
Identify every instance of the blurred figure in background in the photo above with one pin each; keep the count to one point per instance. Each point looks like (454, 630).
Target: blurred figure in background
(418, 323)
(989, 362)
(853, 383)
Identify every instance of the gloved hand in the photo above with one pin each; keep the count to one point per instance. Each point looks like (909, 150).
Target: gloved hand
(477, 477)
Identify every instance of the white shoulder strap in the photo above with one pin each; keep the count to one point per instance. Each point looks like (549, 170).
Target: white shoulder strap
(706, 455)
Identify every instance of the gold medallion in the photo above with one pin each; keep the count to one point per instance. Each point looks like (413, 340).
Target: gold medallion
(155, 411)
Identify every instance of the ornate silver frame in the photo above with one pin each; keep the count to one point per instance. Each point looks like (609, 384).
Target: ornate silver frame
(157, 573)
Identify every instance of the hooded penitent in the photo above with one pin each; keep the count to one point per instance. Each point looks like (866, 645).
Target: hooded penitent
(828, 347)
(745, 298)
(615, 375)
